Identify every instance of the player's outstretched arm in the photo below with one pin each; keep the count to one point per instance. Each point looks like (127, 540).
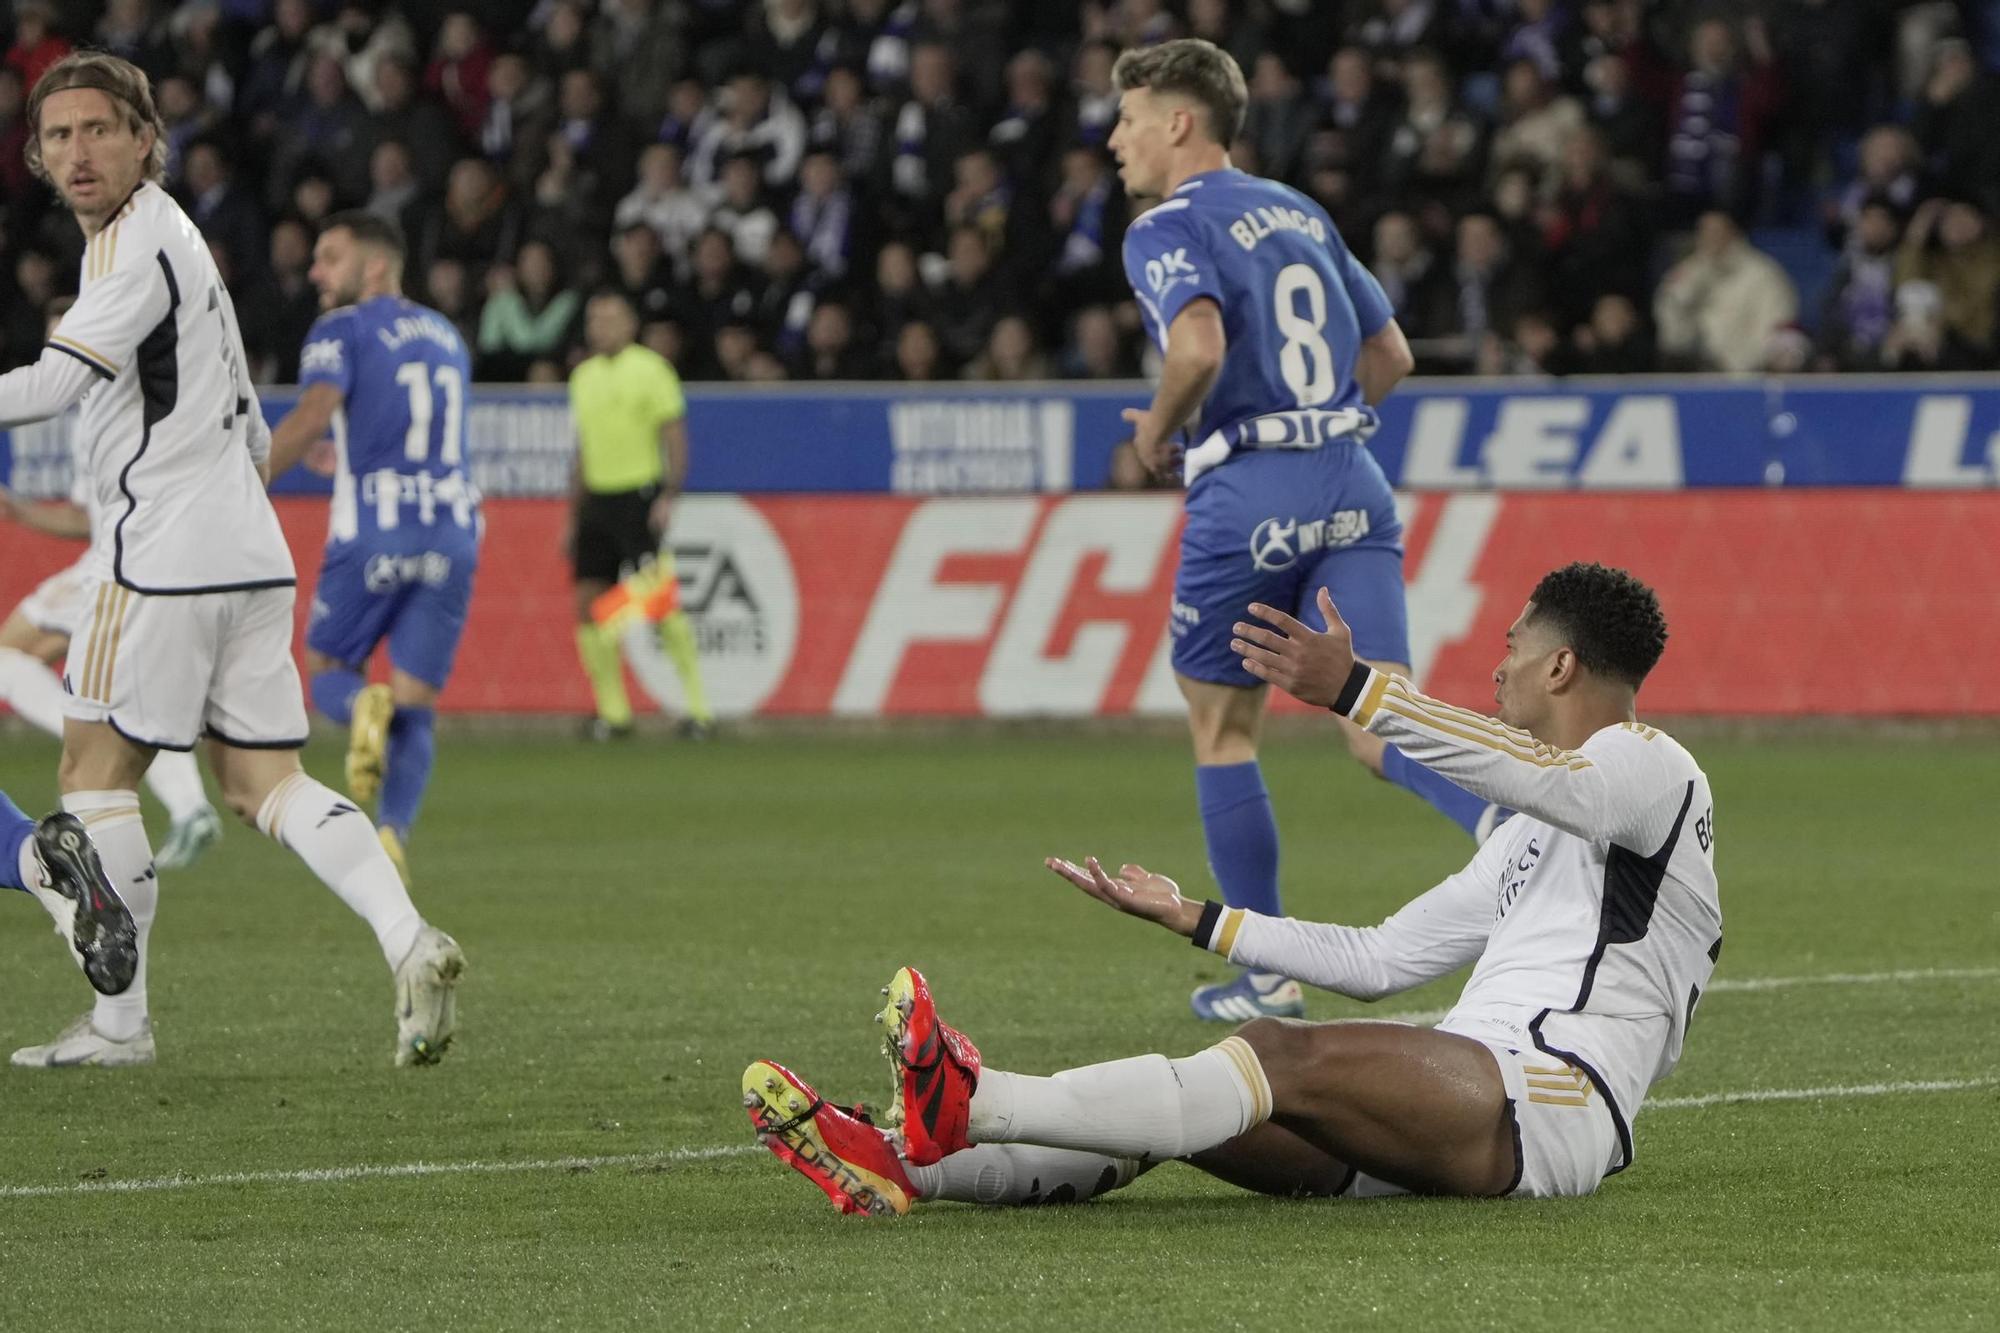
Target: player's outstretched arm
(1136, 891)
(1566, 788)
(57, 518)
(45, 389)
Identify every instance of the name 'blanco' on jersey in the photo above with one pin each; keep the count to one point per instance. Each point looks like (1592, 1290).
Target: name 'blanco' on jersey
(170, 438)
(1593, 917)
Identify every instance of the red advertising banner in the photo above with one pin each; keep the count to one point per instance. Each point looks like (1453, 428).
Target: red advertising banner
(1862, 602)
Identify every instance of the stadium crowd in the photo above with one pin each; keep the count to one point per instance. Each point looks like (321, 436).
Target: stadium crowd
(919, 189)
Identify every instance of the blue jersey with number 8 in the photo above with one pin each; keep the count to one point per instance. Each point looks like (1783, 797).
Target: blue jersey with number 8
(1296, 304)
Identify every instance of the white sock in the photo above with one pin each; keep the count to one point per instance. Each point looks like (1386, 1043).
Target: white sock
(1148, 1107)
(32, 690)
(176, 779)
(338, 843)
(1023, 1175)
(112, 820)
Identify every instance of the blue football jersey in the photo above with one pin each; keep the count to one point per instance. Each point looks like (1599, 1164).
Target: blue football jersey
(1296, 307)
(404, 378)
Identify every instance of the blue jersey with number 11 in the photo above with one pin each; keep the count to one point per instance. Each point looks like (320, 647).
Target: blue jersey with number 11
(403, 375)
(1296, 307)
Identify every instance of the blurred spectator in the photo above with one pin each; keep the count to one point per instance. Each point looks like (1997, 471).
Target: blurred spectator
(404, 113)
(1091, 93)
(1010, 354)
(1891, 171)
(15, 182)
(901, 297)
(1958, 123)
(360, 38)
(741, 212)
(1629, 123)
(849, 125)
(786, 43)
(280, 308)
(1434, 148)
(1386, 30)
(1950, 245)
(639, 48)
(1716, 309)
(1861, 300)
(1532, 346)
(982, 198)
(312, 200)
(823, 214)
(223, 211)
(1279, 118)
(25, 315)
(750, 118)
(1241, 33)
(1490, 287)
(1095, 350)
(460, 72)
(1028, 135)
(1717, 119)
(919, 354)
(186, 119)
(37, 45)
(395, 195)
(641, 273)
(595, 135)
(566, 208)
(1916, 341)
(1614, 341)
(1536, 123)
(1595, 232)
(1420, 290)
(563, 43)
(723, 291)
(1086, 218)
(676, 212)
(474, 225)
(786, 297)
(931, 132)
(735, 344)
(129, 29)
(529, 315)
(1361, 115)
(687, 108)
(830, 352)
(971, 299)
(447, 291)
(275, 75)
(519, 107)
(322, 133)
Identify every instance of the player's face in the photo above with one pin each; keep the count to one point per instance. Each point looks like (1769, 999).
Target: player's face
(1517, 681)
(90, 150)
(336, 270)
(1142, 139)
(609, 326)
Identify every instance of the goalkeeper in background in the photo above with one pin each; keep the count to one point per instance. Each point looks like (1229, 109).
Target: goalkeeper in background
(631, 458)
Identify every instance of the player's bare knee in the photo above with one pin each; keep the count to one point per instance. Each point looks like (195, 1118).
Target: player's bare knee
(1285, 1048)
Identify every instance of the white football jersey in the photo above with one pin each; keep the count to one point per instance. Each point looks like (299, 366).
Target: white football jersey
(168, 441)
(1592, 917)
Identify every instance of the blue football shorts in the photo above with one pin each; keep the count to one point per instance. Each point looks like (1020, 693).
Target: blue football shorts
(1276, 527)
(412, 586)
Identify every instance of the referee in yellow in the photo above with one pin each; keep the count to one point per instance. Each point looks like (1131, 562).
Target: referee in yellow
(631, 458)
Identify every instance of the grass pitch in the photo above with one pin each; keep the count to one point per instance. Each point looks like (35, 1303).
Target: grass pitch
(642, 920)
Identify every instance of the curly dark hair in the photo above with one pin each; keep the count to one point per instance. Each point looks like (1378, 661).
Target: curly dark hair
(1611, 620)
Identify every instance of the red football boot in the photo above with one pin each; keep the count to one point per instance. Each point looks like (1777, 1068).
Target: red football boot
(936, 1071)
(854, 1162)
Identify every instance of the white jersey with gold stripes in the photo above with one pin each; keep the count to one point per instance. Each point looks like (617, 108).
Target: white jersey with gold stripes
(1592, 918)
(170, 435)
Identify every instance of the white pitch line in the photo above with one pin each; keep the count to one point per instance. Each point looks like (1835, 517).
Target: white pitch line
(1836, 1093)
(1752, 985)
(397, 1171)
(406, 1170)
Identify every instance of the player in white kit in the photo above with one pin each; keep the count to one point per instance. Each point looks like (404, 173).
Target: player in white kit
(35, 636)
(1592, 919)
(188, 622)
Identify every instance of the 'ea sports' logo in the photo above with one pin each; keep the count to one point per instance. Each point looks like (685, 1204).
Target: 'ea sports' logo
(1274, 544)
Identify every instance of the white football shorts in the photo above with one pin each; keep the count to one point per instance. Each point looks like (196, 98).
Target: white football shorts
(57, 601)
(1564, 1134)
(165, 671)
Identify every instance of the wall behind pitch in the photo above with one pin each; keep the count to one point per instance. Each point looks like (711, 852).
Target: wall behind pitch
(1862, 601)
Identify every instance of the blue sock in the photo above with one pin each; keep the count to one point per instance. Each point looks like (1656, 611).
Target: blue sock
(15, 829)
(1242, 834)
(1449, 799)
(412, 748)
(333, 693)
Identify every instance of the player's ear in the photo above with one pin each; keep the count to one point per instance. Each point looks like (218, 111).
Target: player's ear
(1563, 669)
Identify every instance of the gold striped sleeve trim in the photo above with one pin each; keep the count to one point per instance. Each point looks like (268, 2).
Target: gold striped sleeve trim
(1499, 729)
(1481, 731)
(1371, 698)
(1252, 1072)
(1225, 934)
(91, 354)
(1481, 739)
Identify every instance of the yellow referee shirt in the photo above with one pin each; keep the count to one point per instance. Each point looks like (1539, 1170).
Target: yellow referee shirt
(619, 404)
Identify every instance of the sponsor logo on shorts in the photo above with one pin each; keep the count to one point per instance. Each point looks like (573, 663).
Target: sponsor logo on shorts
(386, 573)
(1278, 543)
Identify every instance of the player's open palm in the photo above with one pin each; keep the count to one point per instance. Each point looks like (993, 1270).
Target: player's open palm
(1135, 890)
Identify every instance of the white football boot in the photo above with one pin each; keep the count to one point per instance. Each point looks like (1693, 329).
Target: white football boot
(82, 1044)
(426, 997)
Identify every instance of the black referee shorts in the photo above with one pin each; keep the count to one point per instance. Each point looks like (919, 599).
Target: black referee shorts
(613, 537)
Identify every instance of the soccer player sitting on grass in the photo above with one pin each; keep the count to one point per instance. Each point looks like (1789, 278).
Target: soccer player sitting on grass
(1591, 917)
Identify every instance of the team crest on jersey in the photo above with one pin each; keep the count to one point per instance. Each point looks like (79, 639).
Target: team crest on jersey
(1169, 271)
(323, 356)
